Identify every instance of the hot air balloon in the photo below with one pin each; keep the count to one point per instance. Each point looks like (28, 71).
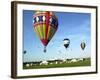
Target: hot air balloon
(24, 52)
(45, 25)
(66, 42)
(83, 45)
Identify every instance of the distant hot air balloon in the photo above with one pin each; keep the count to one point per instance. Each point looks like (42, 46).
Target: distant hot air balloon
(45, 25)
(83, 45)
(24, 52)
(66, 42)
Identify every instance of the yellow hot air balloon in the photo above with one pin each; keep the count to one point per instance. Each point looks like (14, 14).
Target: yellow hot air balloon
(45, 25)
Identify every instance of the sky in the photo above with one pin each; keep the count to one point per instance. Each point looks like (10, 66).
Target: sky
(74, 26)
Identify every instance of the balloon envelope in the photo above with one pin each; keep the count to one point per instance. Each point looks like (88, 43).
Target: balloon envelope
(66, 42)
(45, 25)
(24, 52)
(83, 45)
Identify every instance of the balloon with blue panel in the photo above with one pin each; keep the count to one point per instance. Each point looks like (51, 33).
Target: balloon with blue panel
(82, 45)
(66, 42)
(45, 25)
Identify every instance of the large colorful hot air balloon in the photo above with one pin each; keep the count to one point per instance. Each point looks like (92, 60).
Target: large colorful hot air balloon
(45, 25)
(83, 45)
(66, 42)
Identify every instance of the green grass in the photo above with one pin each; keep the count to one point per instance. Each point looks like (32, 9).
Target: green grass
(86, 62)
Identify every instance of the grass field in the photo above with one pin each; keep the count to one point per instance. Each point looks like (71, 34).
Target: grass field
(86, 62)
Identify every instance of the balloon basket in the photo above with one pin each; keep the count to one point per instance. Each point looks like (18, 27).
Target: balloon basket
(44, 50)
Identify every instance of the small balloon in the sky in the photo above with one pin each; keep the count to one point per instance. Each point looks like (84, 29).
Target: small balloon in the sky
(83, 45)
(66, 42)
(24, 52)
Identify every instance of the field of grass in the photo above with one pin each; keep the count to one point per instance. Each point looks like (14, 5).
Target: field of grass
(86, 62)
